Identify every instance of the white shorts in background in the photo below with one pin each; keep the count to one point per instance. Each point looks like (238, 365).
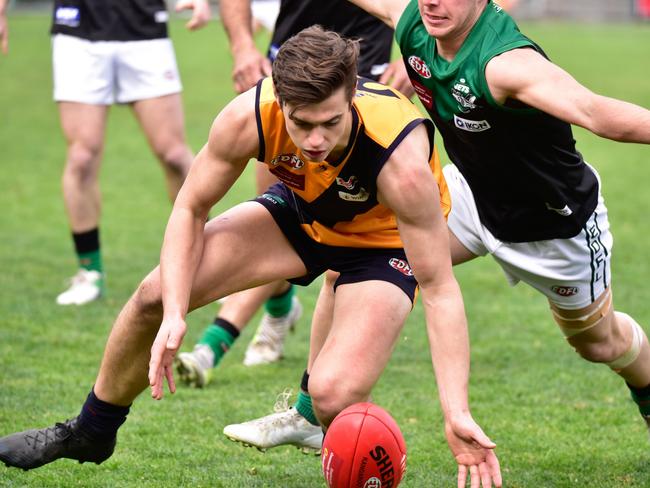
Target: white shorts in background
(572, 273)
(105, 72)
(266, 12)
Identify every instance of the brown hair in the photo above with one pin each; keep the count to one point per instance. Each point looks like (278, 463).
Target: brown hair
(313, 64)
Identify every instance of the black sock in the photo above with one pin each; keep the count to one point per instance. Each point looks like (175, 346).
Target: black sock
(100, 419)
(641, 397)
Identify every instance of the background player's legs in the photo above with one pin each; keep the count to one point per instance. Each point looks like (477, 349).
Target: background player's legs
(195, 368)
(83, 127)
(163, 123)
(283, 310)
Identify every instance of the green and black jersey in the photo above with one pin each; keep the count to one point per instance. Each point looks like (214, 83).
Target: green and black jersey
(529, 181)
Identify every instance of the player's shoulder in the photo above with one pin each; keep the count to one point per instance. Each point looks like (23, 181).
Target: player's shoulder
(384, 111)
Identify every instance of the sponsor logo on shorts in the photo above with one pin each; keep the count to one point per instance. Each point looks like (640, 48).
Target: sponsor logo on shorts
(69, 16)
(565, 291)
(290, 160)
(471, 125)
(274, 199)
(564, 211)
(348, 184)
(401, 265)
(170, 74)
(419, 66)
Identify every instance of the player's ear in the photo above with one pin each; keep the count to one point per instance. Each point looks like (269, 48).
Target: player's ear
(277, 98)
(354, 93)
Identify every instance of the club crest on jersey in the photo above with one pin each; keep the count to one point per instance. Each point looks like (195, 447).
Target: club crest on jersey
(290, 160)
(419, 66)
(565, 291)
(463, 95)
(348, 184)
(401, 265)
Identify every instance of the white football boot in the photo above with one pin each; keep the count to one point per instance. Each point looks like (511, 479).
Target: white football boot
(285, 427)
(85, 287)
(267, 345)
(194, 368)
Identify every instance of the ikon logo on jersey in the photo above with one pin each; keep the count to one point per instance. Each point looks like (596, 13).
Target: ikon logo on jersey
(471, 125)
(349, 184)
(419, 66)
(289, 159)
(401, 266)
(565, 291)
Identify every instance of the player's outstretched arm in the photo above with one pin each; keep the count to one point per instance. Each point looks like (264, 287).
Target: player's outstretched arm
(525, 75)
(407, 186)
(388, 11)
(4, 28)
(249, 65)
(232, 142)
(200, 12)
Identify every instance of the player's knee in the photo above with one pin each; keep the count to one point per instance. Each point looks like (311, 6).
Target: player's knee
(176, 158)
(330, 396)
(602, 351)
(82, 162)
(147, 300)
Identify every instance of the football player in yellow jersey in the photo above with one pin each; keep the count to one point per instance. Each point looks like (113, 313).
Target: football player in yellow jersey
(350, 182)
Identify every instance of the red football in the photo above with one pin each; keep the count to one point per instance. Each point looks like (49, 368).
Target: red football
(363, 448)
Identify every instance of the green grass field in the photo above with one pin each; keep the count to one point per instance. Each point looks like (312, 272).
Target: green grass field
(558, 420)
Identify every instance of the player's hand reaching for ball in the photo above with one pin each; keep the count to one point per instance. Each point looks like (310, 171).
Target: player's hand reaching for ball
(164, 348)
(474, 453)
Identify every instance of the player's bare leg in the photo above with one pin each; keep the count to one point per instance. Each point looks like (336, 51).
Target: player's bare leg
(366, 323)
(163, 123)
(83, 127)
(233, 258)
(602, 335)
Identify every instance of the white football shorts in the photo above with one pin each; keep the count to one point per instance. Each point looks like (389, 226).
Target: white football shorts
(105, 72)
(572, 273)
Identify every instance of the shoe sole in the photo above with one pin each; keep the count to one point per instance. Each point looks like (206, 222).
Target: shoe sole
(36, 467)
(309, 451)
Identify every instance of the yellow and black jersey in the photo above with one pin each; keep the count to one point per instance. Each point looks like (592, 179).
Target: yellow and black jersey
(337, 201)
